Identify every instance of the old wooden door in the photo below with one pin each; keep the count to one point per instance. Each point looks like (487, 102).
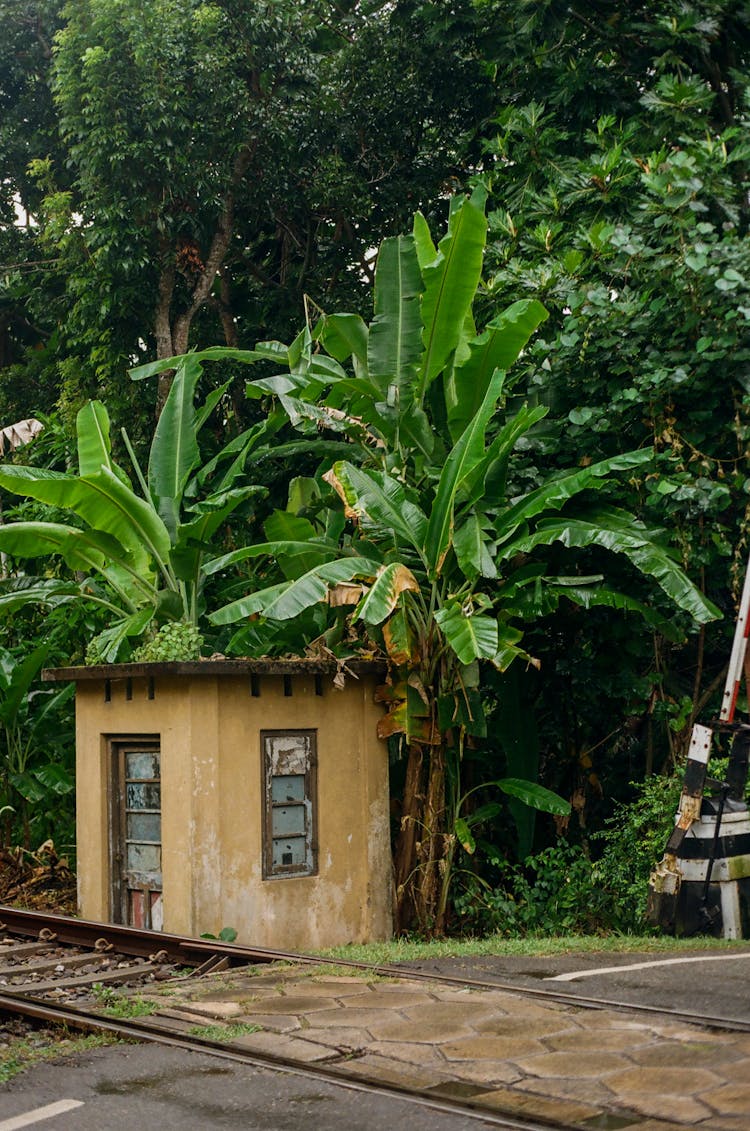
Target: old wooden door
(136, 833)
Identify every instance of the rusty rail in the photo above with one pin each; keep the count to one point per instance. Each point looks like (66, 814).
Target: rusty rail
(206, 953)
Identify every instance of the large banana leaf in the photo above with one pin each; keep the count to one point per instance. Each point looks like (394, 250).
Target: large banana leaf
(289, 599)
(497, 348)
(395, 345)
(264, 351)
(16, 592)
(535, 795)
(379, 500)
(647, 556)
(345, 336)
(466, 454)
(555, 493)
(94, 450)
(18, 678)
(282, 547)
(450, 283)
(472, 636)
(174, 448)
(383, 595)
(37, 539)
(487, 480)
(470, 543)
(101, 500)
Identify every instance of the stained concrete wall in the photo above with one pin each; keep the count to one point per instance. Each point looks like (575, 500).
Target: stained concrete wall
(209, 730)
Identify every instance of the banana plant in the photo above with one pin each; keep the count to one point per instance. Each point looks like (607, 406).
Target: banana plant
(142, 549)
(445, 581)
(441, 568)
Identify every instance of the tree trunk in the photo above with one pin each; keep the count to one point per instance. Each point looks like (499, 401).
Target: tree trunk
(405, 850)
(419, 855)
(172, 337)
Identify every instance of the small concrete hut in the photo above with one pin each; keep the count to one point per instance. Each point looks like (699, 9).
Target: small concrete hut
(248, 794)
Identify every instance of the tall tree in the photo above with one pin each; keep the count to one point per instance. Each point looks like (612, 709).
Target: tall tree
(618, 167)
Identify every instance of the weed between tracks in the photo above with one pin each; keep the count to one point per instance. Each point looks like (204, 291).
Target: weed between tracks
(121, 1006)
(223, 1033)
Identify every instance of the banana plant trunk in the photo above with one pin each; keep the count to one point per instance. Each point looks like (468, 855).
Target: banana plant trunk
(419, 857)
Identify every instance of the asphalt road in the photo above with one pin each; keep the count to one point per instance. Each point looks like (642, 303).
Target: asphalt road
(133, 1087)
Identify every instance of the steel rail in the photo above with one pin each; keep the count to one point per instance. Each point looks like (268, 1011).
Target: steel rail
(187, 951)
(41, 1010)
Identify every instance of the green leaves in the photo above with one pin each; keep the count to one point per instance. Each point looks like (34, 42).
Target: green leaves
(472, 636)
(450, 283)
(497, 348)
(394, 345)
(465, 456)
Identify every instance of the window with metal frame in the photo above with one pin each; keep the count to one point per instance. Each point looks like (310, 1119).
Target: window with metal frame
(289, 761)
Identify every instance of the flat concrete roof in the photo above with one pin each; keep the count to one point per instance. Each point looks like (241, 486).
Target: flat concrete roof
(209, 667)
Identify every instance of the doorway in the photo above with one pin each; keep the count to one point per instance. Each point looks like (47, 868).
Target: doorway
(135, 848)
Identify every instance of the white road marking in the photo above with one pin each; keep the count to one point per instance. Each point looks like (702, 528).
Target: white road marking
(39, 1114)
(575, 974)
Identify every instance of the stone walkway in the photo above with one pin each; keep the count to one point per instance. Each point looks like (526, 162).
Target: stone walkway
(582, 1067)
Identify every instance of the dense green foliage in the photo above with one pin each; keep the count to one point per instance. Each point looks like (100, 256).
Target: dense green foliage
(200, 172)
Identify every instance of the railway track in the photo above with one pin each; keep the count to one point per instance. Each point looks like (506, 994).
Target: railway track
(58, 970)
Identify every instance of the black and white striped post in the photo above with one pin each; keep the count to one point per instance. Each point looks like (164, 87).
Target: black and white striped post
(702, 883)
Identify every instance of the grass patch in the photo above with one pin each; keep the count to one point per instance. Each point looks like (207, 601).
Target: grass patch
(412, 950)
(122, 1006)
(223, 1033)
(24, 1053)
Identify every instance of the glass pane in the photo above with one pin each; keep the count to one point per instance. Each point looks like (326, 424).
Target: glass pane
(142, 796)
(288, 852)
(288, 753)
(142, 765)
(288, 787)
(143, 858)
(144, 826)
(288, 820)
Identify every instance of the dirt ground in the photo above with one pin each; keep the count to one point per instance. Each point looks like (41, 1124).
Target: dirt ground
(37, 881)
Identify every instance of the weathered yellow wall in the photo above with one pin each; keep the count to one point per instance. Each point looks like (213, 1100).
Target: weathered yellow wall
(209, 728)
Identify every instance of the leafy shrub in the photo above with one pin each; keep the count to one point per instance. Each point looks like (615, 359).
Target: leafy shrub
(175, 640)
(552, 893)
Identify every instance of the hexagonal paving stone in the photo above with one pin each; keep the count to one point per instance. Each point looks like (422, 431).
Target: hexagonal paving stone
(294, 1005)
(489, 1048)
(514, 1027)
(408, 1051)
(391, 1071)
(572, 1065)
(325, 987)
(366, 1018)
(400, 999)
(678, 1109)
(273, 1022)
(663, 1081)
(601, 1040)
(340, 1037)
(731, 1099)
(280, 1045)
(515, 1102)
(681, 1054)
(443, 1013)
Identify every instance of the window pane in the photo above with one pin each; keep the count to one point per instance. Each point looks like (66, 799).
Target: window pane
(142, 796)
(288, 820)
(288, 787)
(144, 826)
(142, 765)
(288, 753)
(143, 858)
(289, 852)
